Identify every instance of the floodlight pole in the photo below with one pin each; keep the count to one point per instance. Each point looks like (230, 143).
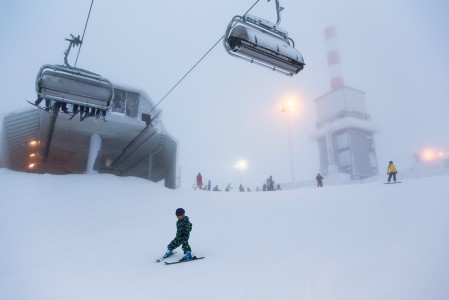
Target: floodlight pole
(290, 145)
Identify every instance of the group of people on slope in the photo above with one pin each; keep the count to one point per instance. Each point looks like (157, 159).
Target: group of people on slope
(391, 172)
(184, 227)
(269, 184)
(206, 187)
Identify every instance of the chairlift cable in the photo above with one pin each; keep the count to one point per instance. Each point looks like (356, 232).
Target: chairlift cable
(252, 6)
(84, 32)
(194, 66)
(165, 96)
(191, 69)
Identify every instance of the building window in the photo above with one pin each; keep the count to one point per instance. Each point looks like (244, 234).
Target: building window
(119, 102)
(126, 102)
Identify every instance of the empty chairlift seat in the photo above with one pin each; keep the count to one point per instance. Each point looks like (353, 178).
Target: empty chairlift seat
(75, 86)
(261, 42)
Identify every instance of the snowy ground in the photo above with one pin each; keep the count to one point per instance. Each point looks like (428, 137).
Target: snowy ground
(97, 236)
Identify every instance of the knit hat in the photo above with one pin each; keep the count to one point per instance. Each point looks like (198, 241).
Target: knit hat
(180, 211)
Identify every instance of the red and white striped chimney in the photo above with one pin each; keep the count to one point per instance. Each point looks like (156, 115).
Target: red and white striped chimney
(333, 57)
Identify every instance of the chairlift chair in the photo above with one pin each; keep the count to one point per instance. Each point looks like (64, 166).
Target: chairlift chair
(74, 86)
(260, 41)
(67, 84)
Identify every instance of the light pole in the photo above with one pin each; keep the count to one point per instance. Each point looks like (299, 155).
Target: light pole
(288, 108)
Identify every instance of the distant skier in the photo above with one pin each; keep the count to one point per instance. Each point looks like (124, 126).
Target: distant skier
(270, 183)
(184, 227)
(391, 171)
(319, 180)
(199, 181)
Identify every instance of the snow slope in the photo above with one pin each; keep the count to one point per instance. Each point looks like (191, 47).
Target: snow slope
(97, 236)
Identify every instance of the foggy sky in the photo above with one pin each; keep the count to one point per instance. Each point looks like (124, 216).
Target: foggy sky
(228, 109)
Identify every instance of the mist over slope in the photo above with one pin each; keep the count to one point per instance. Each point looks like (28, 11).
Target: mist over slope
(97, 236)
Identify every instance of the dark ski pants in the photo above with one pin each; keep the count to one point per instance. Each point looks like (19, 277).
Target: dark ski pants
(178, 241)
(390, 175)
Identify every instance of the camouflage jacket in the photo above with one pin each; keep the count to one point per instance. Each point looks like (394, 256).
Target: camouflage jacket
(183, 227)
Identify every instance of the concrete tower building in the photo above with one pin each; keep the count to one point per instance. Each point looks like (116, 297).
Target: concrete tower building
(344, 129)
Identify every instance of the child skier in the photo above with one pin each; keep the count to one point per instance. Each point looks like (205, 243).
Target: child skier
(184, 227)
(391, 171)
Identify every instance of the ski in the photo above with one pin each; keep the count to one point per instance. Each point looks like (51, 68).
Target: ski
(392, 182)
(183, 261)
(85, 116)
(73, 115)
(48, 109)
(163, 258)
(37, 106)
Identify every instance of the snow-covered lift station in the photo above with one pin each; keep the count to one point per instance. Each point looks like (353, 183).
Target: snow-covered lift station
(40, 141)
(88, 125)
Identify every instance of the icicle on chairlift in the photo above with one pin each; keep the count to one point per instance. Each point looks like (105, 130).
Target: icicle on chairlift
(67, 84)
(260, 41)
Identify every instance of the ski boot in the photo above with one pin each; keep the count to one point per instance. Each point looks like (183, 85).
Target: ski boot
(168, 253)
(187, 256)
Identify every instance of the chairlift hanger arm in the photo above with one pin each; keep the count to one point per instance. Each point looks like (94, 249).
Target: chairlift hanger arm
(278, 12)
(263, 23)
(74, 41)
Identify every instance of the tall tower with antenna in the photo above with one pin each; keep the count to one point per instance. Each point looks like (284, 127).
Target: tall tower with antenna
(344, 131)
(333, 58)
